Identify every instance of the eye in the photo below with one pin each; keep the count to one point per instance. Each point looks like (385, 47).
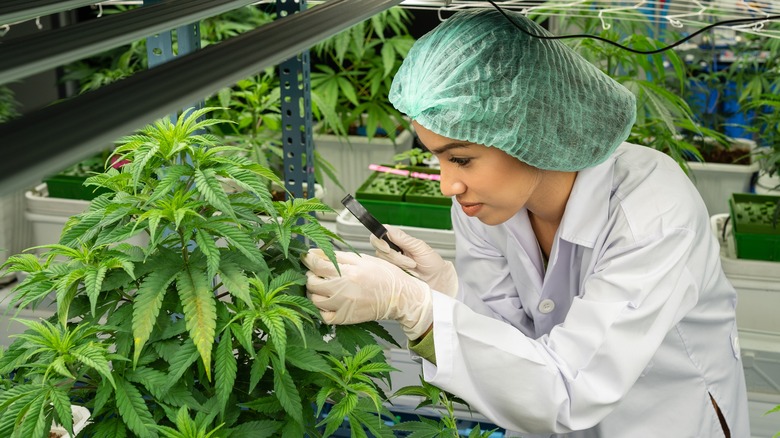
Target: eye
(460, 161)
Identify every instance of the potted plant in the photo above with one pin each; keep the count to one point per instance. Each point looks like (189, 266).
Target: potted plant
(767, 131)
(204, 327)
(665, 121)
(252, 111)
(357, 125)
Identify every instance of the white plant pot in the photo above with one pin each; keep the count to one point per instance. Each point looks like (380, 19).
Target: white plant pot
(48, 215)
(768, 185)
(80, 421)
(716, 182)
(350, 159)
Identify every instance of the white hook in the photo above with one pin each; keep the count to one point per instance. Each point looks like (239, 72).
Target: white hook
(452, 8)
(673, 19)
(100, 10)
(38, 23)
(607, 26)
(6, 28)
(438, 13)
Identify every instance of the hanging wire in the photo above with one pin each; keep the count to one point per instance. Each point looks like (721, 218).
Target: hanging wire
(738, 21)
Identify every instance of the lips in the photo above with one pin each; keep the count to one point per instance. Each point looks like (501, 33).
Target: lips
(470, 208)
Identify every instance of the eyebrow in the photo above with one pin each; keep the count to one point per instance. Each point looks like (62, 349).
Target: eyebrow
(449, 146)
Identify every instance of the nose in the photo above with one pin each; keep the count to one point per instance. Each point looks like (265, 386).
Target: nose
(450, 185)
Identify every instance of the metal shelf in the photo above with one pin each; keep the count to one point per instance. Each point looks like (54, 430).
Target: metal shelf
(40, 142)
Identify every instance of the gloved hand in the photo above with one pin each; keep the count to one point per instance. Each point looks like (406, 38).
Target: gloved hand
(369, 289)
(419, 259)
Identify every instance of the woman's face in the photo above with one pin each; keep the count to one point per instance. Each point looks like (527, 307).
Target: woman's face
(487, 183)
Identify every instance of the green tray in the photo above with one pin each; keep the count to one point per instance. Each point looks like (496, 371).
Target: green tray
(399, 200)
(383, 186)
(72, 187)
(427, 192)
(409, 213)
(754, 235)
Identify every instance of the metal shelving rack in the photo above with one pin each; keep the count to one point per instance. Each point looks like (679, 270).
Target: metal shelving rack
(38, 143)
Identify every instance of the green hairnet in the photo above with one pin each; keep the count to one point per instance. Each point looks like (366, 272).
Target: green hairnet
(479, 79)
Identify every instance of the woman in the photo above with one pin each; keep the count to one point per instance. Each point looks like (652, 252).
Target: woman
(589, 299)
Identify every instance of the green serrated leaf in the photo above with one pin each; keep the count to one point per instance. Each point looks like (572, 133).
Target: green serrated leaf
(256, 429)
(148, 302)
(61, 403)
(236, 237)
(209, 186)
(286, 391)
(180, 362)
(259, 368)
(132, 409)
(226, 369)
(306, 359)
(235, 281)
(200, 312)
(208, 247)
(94, 357)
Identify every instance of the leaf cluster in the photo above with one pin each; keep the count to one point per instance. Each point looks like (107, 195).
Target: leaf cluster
(180, 307)
(122, 62)
(447, 425)
(351, 82)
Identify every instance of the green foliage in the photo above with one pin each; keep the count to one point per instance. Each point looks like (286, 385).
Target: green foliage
(251, 107)
(412, 157)
(662, 113)
(351, 85)
(766, 128)
(444, 402)
(181, 309)
(8, 104)
(121, 62)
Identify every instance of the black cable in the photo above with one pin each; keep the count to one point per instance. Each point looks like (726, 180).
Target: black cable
(641, 52)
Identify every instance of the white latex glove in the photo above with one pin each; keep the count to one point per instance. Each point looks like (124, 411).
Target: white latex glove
(369, 289)
(419, 259)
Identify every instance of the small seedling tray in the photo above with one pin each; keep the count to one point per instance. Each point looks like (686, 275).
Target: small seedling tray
(401, 200)
(756, 230)
(72, 187)
(384, 187)
(427, 192)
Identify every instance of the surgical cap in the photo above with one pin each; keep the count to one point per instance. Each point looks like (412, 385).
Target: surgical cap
(479, 79)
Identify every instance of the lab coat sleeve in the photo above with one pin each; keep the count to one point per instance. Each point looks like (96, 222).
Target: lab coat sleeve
(573, 378)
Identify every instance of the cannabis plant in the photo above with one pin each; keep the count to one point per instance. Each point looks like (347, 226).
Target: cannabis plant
(658, 81)
(180, 308)
(447, 425)
(351, 82)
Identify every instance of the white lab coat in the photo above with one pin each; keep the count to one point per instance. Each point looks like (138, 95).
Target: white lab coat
(624, 335)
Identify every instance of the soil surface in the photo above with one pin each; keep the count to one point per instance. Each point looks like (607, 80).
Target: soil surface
(730, 156)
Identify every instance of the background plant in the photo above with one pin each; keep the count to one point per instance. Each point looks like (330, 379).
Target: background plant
(447, 426)
(351, 82)
(8, 104)
(663, 115)
(251, 107)
(175, 299)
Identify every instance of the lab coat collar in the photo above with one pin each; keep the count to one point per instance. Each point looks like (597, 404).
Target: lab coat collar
(587, 209)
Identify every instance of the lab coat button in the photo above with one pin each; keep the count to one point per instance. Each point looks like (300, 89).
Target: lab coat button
(546, 306)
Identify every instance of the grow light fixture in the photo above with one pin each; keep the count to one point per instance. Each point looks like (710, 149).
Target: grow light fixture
(426, 3)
